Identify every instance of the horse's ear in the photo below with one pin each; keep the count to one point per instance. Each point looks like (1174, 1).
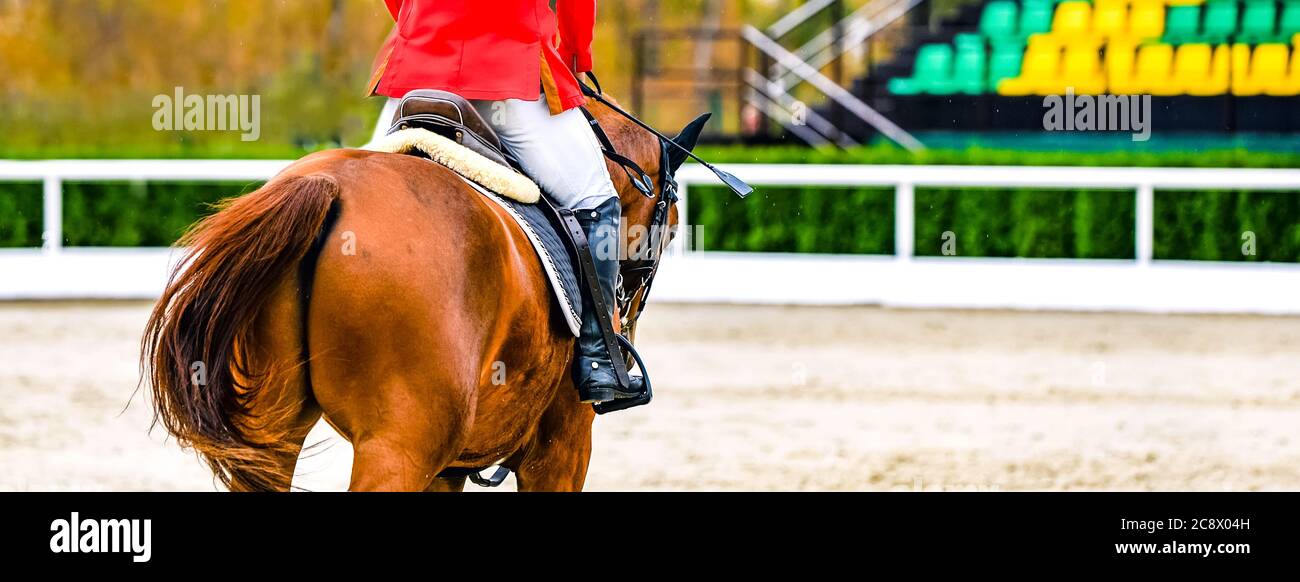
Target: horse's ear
(687, 139)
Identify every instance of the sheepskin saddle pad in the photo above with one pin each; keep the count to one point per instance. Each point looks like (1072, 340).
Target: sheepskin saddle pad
(515, 194)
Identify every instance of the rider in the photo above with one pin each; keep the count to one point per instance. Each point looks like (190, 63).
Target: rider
(518, 64)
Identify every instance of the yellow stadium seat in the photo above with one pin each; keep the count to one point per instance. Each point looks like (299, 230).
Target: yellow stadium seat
(1191, 66)
(1241, 81)
(1293, 81)
(1072, 20)
(1220, 74)
(1151, 70)
(1042, 61)
(1147, 20)
(1194, 71)
(1268, 69)
(1263, 71)
(1110, 18)
(1080, 72)
(1043, 41)
(1119, 68)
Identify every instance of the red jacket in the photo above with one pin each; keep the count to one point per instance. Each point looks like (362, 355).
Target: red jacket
(488, 49)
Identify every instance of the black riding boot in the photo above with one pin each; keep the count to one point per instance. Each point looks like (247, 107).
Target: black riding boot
(593, 370)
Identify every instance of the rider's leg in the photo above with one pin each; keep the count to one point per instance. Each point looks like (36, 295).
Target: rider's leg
(562, 155)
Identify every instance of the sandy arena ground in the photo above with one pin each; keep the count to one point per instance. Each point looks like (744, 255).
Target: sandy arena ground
(778, 398)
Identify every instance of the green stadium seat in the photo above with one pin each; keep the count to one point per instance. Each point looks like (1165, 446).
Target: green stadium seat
(1289, 25)
(1220, 21)
(970, 67)
(998, 21)
(932, 73)
(1004, 63)
(1257, 22)
(1035, 17)
(968, 40)
(1182, 24)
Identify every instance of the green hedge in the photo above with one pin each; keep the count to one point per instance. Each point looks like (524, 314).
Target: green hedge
(984, 221)
(987, 222)
(20, 214)
(1025, 223)
(125, 214)
(1210, 225)
(112, 214)
(805, 220)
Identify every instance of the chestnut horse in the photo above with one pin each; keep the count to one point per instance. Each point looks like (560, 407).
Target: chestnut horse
(432, 340)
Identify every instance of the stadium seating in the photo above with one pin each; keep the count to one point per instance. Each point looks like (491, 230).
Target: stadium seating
(1119, 68)
(1183, 24)
(1004, 63)
(970, 66)
(1035, 17)
(932, 72)
(1198, 69)
(1109, 18)
(1072, 22)
(1162, 47)
(1257, 22)
(998, 21)
(1263, 71)
(1146, 20)
(1289, 25)
(1038, 70)
(1153, 67)
(1220, 21)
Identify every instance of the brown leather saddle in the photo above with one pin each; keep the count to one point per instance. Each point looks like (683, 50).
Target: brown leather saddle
(453, 117)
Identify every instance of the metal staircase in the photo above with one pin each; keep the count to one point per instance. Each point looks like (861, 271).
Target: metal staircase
(800, 77)
(771, 85)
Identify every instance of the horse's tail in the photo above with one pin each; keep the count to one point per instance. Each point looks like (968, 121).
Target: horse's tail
(197, 345)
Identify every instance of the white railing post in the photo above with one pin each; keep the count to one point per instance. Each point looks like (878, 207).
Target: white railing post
(904, 221)
(52, 214)
(1144, 230)
(686, 231)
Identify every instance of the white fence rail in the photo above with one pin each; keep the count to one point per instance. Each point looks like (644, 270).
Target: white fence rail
(1141, 284)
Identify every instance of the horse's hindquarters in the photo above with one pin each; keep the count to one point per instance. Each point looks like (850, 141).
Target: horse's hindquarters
(431, 330)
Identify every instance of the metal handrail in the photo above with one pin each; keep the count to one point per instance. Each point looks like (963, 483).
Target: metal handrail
(831, 89)
(797, 17)
(816, 130)
(857, 28)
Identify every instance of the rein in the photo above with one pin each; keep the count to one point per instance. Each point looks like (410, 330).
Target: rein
(667, 197)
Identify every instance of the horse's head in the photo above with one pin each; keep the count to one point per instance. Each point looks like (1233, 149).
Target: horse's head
(645, 241)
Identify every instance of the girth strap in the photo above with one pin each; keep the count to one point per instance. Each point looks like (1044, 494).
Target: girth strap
(603, 310)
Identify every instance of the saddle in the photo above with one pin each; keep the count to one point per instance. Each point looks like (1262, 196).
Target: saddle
(453, 117)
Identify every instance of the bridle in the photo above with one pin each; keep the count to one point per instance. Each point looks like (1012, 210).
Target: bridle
(642, 269)
(631, 304)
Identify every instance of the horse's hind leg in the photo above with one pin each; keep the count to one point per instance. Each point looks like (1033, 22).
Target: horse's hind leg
(557, 457)
(403, 432)
(284, 411)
